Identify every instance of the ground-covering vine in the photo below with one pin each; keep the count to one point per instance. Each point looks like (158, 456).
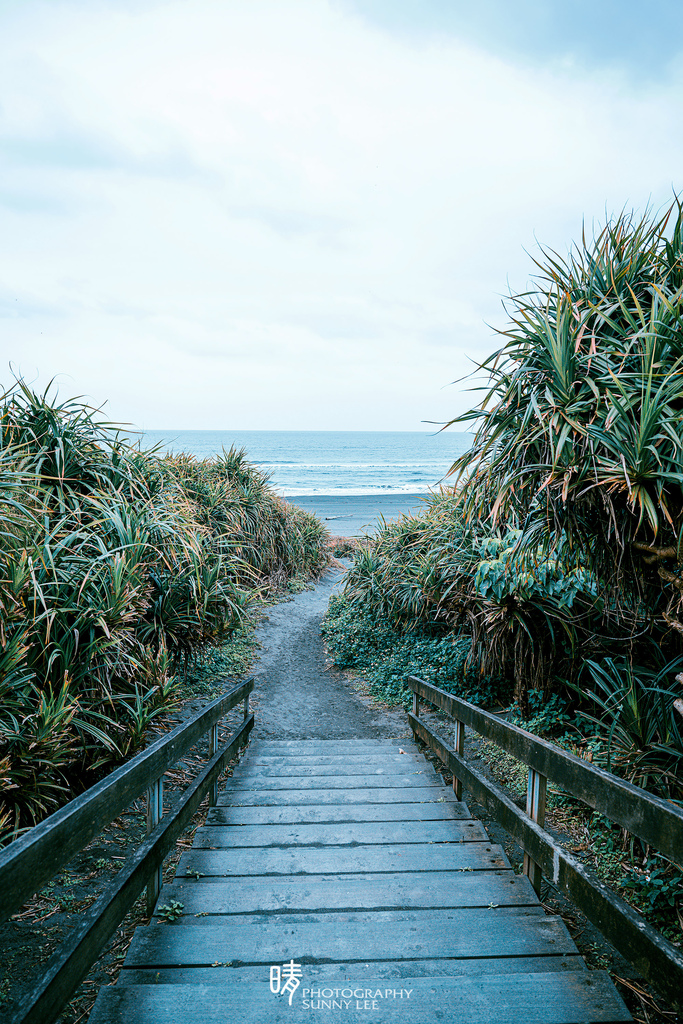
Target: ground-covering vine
(383, 655)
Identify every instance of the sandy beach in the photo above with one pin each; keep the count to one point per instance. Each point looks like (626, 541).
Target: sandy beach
(348, 515)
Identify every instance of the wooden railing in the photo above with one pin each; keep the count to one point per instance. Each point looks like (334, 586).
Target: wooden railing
(655, 821)
(29, 862)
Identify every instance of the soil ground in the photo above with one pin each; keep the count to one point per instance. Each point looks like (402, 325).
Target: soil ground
(298, 694)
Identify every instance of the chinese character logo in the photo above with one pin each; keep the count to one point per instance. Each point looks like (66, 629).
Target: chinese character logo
(286, 979)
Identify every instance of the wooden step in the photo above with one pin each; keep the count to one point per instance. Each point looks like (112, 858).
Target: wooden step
(372, 891)
(254, 759)
(356, 862)
(281, 796)
(344, 834)
(285, 748)
(345, 859)
(446, 810)
(421, 777)
(284, 769)
(544, 998)
(363, 936)
(324, 974)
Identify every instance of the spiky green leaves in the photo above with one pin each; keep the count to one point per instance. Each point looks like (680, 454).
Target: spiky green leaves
(580, 435)
(116, 568)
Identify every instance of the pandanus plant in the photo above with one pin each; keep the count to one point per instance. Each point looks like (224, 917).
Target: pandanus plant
(579, 437)
(579, 434)
(116, 568)
(561, 539)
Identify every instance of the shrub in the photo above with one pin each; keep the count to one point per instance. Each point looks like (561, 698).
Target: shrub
(117, 569)
(579, 438)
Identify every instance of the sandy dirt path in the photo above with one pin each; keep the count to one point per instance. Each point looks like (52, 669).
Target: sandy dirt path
(298, 693)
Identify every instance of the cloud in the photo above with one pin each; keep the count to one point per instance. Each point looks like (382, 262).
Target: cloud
(615, 34)
(15, 305)
(203, 203)
(289, 223)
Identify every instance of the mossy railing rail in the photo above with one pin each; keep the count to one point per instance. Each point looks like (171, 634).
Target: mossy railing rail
(33, 859)
(657, 822)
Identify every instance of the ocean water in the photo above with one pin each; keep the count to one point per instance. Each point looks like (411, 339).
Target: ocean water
(312, 462)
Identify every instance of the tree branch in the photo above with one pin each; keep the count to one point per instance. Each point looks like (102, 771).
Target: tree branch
(652, 554)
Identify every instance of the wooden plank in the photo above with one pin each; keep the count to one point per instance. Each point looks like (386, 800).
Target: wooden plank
(449, 810)
(368, 892)
(421, 777)
(364, 936)
(332, 834)
(33, 859)
(338, 759)
(373, 743)
(328, 747)
(282, 770)
(562, 998)
(437, 877)
(325, 974)
(659, 822)
(78, 952)
(295, 797)
(657, 960)
(326, 860)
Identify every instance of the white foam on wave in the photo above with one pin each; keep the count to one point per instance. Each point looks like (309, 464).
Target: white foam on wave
(311, 463)
(340, 492)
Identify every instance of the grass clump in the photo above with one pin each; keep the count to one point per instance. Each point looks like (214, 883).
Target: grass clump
(344, 547)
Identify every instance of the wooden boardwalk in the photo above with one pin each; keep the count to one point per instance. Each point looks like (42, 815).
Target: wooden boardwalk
(351, 861)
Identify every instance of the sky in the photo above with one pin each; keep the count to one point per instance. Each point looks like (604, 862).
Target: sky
(305, 214)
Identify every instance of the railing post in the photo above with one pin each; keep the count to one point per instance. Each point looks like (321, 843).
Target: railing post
(155, 812)
(416, 704)
(213, 748)
(459, 747)
(535, 808)
(246, 707)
